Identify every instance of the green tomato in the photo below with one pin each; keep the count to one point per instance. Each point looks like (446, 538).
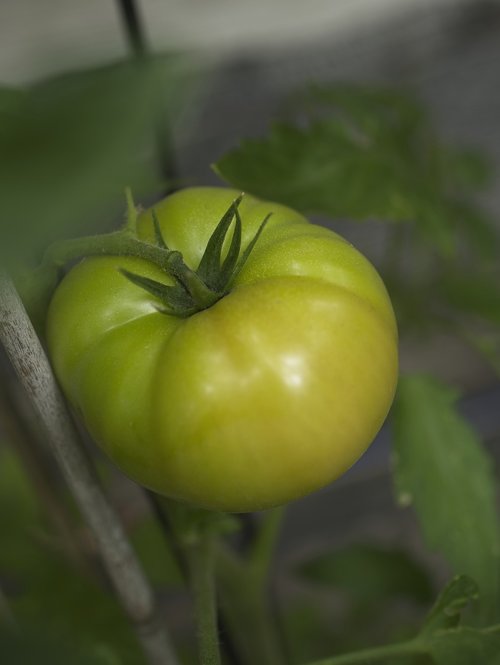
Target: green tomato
(272, 392)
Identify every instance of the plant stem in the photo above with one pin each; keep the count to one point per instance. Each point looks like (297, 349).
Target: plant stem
(38, 286)
(265, 541)
(201, 564)
(124, 243)
(247, 609)
(117, 243)
(133, 27)
(27, 442)
(135, 34)
(35, 375)
(376, 654)
(195, 531)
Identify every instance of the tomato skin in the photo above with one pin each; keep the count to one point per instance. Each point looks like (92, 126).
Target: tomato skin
(271, 393)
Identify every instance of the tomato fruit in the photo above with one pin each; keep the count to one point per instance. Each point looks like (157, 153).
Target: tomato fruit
(270, 393)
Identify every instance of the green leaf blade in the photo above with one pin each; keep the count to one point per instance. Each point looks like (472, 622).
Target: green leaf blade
(476, 294)
(443, 471)
(71, 144)
(447, 609)
(62, 614)
(364, 153)
(370, 572)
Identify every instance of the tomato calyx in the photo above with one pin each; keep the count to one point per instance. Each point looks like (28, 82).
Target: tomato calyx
(193, 291)
(196, 290)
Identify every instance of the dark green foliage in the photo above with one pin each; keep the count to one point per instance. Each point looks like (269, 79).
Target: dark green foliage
(370, 573)
(365, 153)
(71, 144)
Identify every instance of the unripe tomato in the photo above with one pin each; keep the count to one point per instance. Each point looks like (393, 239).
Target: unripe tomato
(272, 392)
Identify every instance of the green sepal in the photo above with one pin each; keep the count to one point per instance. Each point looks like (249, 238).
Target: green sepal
(249, 248)
(196, 290)
(176, 299)
(160, 241)
(227, 269)
(209, 268)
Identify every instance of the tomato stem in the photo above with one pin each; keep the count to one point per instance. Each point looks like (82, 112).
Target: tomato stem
(124, 243)
(117, 243)
(194, 532)
(379, 654)
(201, 565)
(247, 607)
(263, 548)
(246, 600)
(194, 290)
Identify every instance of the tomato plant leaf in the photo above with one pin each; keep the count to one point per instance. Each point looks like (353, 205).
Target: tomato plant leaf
(447, 609)
(451, 644)
(443, 471)
(155, 553)
(487, 343)
(370, 573)
(441, 639)
(476, 228)
(53, 602)
(477, 294)
(363, 153)
(466, 646)
(30, 646)
(72, 143)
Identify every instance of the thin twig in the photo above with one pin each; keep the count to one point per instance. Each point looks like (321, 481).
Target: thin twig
(138, 45)
(133, 27)
(34, 372)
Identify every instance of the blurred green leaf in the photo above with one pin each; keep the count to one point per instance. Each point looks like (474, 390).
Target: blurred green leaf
(371, 573)
(467, 169)
(476, 229)
(466, 646)
(443, 471)
(488, 345)
(46, 595)
(453, 599)
(152, 548)
(451, 644)
(308, 632)
(19, 514)
(357, 152)
(28, 646)
(441, 640)
(72, 143)
(473, 293)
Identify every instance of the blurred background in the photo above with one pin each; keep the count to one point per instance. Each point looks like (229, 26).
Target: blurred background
(219, 72)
